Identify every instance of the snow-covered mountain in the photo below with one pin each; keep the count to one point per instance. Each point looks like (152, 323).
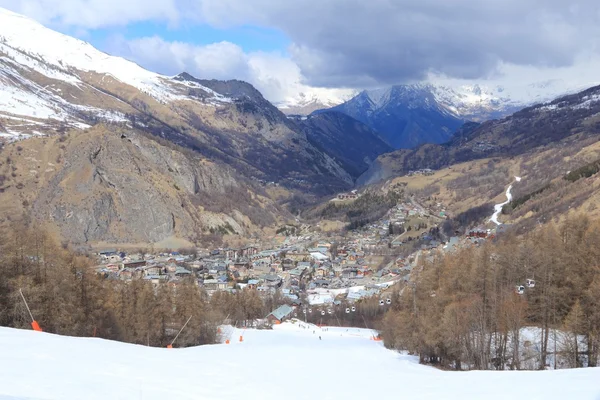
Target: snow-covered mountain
(203, 140)
(50, 80)
(312, 100)
(410, 115)
(404, 115)
(480, 102)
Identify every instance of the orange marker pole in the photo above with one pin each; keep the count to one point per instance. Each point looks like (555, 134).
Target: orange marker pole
(34, 325)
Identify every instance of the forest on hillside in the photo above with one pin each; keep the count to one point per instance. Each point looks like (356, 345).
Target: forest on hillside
(68, 297)
(464, 310)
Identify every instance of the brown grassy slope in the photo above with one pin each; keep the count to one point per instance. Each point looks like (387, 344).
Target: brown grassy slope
(470, 184)
(113, 185)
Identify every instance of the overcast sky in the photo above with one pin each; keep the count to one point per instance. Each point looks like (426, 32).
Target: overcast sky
(320, 46)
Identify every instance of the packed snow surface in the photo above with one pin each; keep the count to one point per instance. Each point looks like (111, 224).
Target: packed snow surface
(289, 362)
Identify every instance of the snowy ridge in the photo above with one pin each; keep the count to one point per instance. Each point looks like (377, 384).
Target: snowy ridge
(313, 99)
(294, 361)
(585, 102)
(62, 56)
(27, 48)
(477, 102)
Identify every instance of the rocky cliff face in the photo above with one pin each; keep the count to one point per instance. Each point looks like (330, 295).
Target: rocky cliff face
(406, 116)
(351, 143)
(120, 186)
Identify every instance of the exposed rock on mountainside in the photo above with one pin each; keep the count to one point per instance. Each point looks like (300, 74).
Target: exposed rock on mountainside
(119, 186)
(216, 138)
(350, 142)
(405, 116)
(53, 82)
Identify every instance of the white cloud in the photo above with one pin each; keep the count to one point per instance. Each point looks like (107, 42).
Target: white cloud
(91, 14)
(355, 43)
(276, 76)
(360, 43)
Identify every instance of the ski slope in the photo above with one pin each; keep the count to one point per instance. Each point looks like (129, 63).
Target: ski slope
(498, 207)
(289, 363)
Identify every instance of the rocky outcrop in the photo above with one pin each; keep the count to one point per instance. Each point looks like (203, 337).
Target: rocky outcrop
(120, 186)
(349, 142)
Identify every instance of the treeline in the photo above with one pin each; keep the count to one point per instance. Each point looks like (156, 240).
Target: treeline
(584, 172)
(366, 209)
(519, 201)
(463, 311)
(461, 222)
(68, 297)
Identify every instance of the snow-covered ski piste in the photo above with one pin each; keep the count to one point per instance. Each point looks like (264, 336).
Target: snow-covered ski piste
(289, 362)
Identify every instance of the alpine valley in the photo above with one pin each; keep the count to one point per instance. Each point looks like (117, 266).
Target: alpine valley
(113, 148)
(102, 151)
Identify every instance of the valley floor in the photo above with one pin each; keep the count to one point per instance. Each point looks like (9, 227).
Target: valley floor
(289, 362)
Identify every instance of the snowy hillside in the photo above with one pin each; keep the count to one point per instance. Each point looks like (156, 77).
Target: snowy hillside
(312, 100)
(48, 78)
(57, 56)
(287, 363)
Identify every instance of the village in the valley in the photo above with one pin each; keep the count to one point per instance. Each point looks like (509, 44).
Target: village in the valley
(312, 272)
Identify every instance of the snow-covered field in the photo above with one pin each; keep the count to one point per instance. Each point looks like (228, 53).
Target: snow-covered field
(289, 362)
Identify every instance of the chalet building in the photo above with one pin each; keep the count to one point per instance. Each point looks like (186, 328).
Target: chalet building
(280, 314)
(152, 270)
(214, 285)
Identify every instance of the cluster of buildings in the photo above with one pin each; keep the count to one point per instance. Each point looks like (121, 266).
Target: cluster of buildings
(305, 269)
(298, 271)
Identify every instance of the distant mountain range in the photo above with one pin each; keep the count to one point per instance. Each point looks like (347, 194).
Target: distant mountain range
(567, 121)
(405, 116)
(409, 115)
